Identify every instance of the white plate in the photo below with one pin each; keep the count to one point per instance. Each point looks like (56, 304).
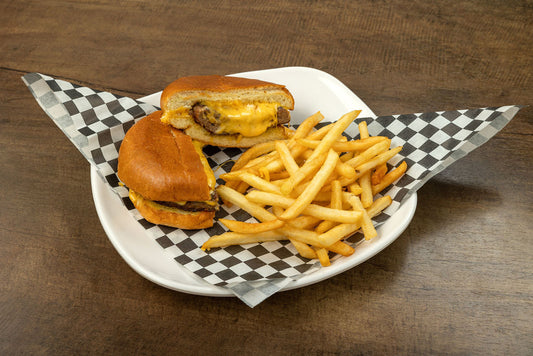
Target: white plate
(313, 91)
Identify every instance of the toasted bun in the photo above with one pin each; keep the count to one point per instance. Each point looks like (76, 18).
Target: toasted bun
(185, 92)
(159, 163)
(172, 217)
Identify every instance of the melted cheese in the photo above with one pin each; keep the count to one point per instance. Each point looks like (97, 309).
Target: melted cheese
(211, 180)
(247, 119)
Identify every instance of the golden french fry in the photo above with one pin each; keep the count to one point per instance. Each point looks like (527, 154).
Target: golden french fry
(285, 154)
(304, 249)
(253, 152)
(320, 133)
(312, 189)
(363, 130)
(258, 182)
(369, 153)
(302, 235)
(378, 174)
(307, 125)
(241, 201)
(251, 228)
(344, 170)
(355, 189)
(390, 178)
(336, 203)
(366, 224)
(319, 154)
(341, 248)
(338, 233)
(346, 156)
(323, 256)
(242, 187)
(379, 205)
(376, 161)
(234, 238)
(366, 190)
(321, 212)
(345, 146)
(364, 180)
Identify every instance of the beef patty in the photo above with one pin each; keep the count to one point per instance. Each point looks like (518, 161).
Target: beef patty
(193, 205)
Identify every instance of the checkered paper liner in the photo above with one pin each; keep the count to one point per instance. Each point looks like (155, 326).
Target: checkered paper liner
(96, 122)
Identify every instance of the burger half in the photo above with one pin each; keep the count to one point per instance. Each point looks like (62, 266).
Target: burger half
(227, 111)
(169, 179)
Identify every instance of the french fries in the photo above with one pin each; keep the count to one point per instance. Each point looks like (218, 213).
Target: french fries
(315, 189)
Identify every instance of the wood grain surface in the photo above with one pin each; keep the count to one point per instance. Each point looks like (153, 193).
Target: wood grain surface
(458, 281)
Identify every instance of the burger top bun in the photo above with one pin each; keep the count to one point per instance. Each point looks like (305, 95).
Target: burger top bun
(161, 163)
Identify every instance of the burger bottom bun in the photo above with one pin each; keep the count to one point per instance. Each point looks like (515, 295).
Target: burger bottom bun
(182, 220)
(197, 132)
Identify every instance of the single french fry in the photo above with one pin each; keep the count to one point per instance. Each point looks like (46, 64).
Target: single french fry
(338, 233)
(366, 190)
(242, 187)
(320, 133)
(241, 201)
(234, 238)
(253, 152)
(379, 205)
(341, 231)
(345, 146)
(346, 156)
(285, 154)
(305, 236)
(276, 176)
(363, 130)
(376, 161)
(307, 125)
(355, 189)
(319, 154)
(342, 169)
(364, 181)
(251, 228)
(378, 174)
(369, 153)
(366, 224)
(336, 203)
(303, 249)
(323, 256)
(390, 178)
(342, 248)
(312, 189)
(321, 212)
(258, 182)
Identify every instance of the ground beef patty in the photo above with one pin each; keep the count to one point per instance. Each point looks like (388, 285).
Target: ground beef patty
(193, 205)
(201, 114)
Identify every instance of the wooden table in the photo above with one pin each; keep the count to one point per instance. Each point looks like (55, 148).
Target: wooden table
(459, 280)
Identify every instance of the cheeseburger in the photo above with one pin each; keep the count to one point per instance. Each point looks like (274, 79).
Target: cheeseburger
(168, 177)
(227, 111)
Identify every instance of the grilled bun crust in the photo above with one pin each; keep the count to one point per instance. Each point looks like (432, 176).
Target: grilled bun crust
(161, 163)
(179, 97)
(171, 217)
(186, 91)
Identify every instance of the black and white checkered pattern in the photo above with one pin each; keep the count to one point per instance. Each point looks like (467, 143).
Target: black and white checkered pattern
(96, 123)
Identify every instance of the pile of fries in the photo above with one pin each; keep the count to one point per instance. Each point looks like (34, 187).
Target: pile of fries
(319, 186)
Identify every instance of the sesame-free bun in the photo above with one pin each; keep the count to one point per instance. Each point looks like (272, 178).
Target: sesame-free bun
(180, 96)
(160, 163)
